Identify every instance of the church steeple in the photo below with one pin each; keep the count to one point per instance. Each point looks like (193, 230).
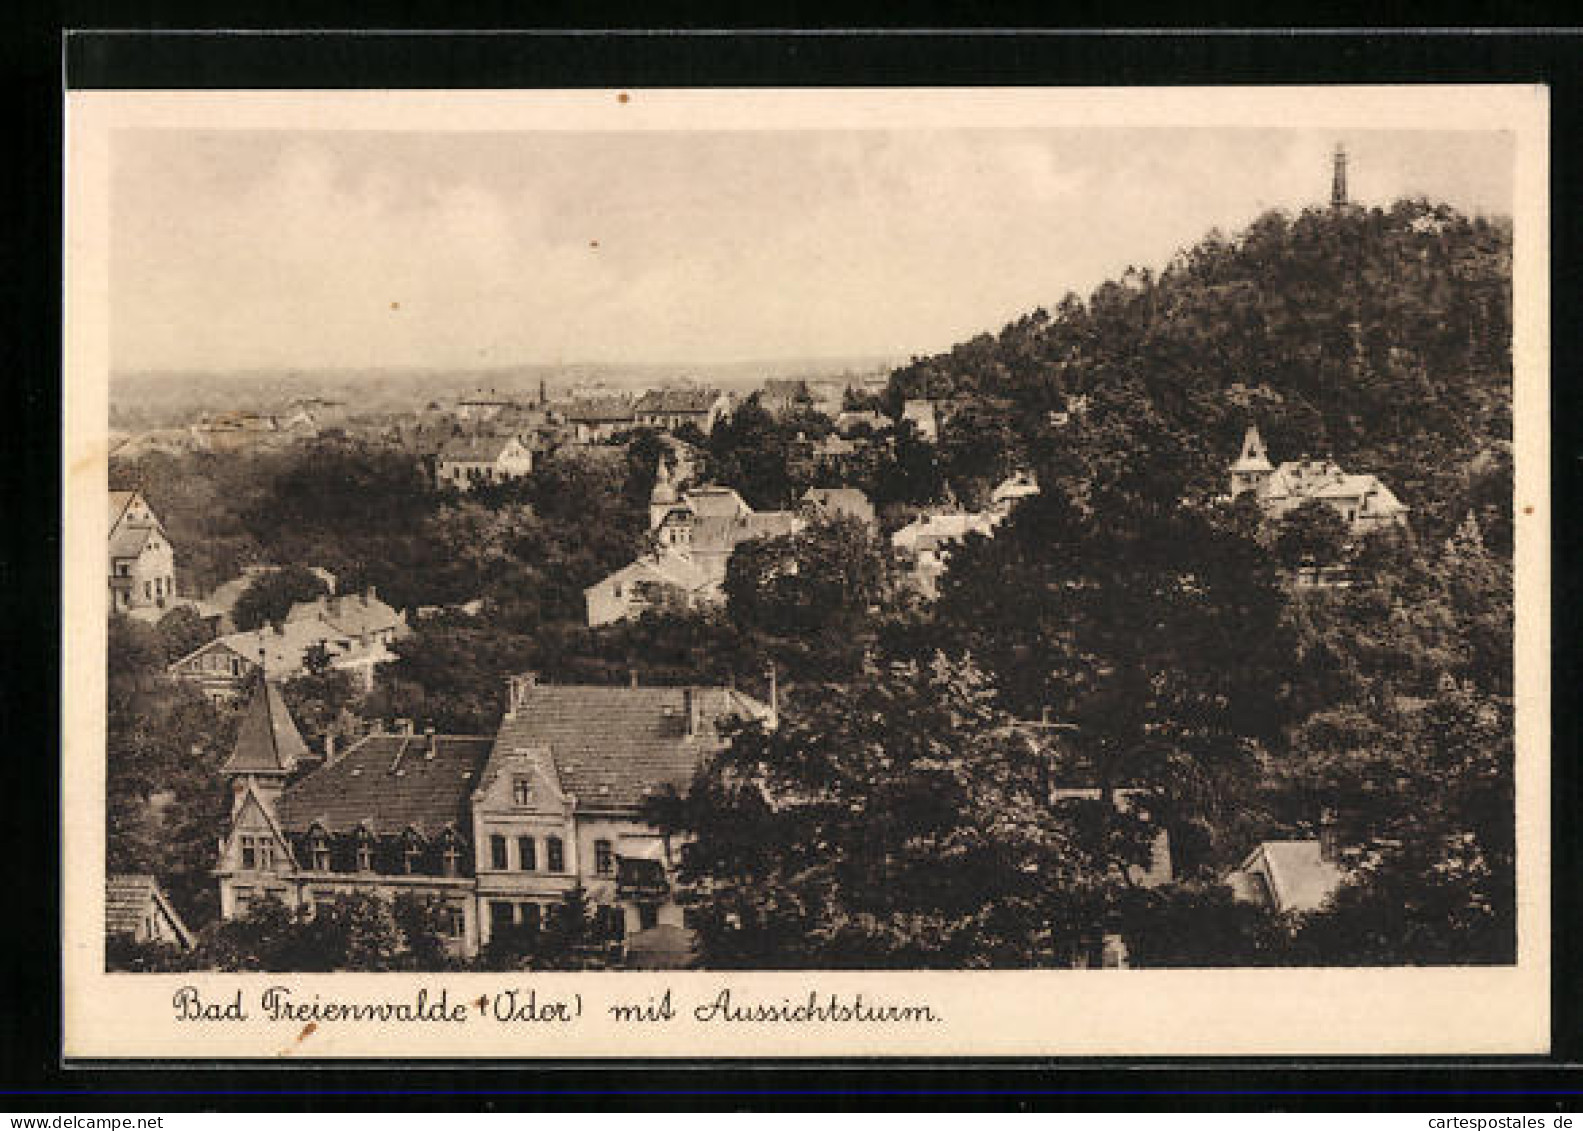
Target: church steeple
(1338, 179)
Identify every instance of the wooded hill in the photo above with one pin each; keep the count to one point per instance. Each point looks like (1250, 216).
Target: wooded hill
(1380, 338)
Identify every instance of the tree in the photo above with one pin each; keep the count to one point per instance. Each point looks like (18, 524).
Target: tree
(183, 631)
(1311, 535)
(271, 595)
(164, 796)
(899, 820)
(1202, 925)
(1150, 624)
(1433, 871)
(825, 577)
(421, 921)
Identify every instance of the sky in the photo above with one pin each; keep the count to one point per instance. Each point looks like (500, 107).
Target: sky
(249, 249)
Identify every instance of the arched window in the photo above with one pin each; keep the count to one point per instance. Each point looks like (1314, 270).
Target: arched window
(527, 857)
(497, 852)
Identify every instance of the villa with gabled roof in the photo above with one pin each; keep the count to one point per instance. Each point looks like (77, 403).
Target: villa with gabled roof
(1364, 503)
(498, 830)
(142, 563)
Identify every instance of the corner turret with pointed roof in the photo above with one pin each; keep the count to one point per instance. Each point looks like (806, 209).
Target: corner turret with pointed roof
(663, 497)
(1252, 466)
(268, 743)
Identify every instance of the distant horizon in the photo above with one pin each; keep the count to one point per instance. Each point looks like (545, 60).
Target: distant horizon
(247, 251)
(829, 360)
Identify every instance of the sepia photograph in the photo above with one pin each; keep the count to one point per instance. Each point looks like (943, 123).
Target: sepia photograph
(891, 544)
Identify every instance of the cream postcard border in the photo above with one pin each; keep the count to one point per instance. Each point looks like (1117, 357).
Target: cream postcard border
(1113, 1013)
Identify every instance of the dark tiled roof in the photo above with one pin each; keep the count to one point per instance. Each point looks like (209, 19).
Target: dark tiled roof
(126, 900)
(268, 740)
(615, 745)
(388, 782)
(676, 400)
(604, 410)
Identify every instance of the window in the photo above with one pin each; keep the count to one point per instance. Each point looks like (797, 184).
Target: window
(531, 916)
(410, 856)
(604, 859)
(453, 922)
(148, 590)
(613, 922)
(240, 899)
(451, 858)
(365, 854)
(521, 790)
(320, 847)
(249, 853)
(266, 854)
(500, 916)
(527, 858)
(555, 854)
(648, 916)
(497, 852)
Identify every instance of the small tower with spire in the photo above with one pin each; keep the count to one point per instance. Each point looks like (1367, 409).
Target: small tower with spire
(1252, 466)
(1338, 179)
(663, 497)
(268, 750)
(255, 851)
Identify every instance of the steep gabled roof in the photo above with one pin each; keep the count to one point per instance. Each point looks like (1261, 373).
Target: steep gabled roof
(268, 741)
(128, 542)
(119, 501)
(127, 900)
(388, 783)
(613, 746)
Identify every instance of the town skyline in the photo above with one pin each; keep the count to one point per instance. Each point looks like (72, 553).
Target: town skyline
(680, 249)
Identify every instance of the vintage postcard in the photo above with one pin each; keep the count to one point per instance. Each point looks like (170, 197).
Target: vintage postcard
(799, 573)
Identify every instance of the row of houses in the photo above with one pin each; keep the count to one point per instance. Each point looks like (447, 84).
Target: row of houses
(498, 827)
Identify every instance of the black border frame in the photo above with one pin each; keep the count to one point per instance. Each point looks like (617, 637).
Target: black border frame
(31, 1074)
